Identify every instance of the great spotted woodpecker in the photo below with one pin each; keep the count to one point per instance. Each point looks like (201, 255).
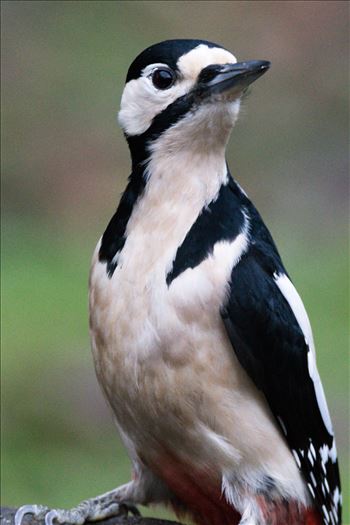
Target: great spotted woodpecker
(201, 343)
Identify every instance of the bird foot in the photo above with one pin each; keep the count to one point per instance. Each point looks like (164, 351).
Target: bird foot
(89, 510)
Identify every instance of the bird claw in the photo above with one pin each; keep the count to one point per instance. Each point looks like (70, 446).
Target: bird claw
(50, 516)
(39, 511)
(87, 510)
(125, 508)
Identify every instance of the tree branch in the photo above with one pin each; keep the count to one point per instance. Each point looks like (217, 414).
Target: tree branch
(8, 514)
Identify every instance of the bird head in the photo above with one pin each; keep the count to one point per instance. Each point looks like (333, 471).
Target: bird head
(186, 92)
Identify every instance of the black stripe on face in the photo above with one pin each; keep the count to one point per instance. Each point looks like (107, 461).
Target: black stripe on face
(139, 144)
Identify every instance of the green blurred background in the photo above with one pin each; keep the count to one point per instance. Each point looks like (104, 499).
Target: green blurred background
(65, 162)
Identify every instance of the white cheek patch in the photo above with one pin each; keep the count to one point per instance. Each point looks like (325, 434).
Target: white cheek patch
(141, 102)
(291, 295)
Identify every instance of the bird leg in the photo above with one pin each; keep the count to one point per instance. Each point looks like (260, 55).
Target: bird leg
(117, 502)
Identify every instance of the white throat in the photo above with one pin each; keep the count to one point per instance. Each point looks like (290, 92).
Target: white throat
(177, 189)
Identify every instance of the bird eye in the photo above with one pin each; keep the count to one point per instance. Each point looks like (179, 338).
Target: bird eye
(163, 78)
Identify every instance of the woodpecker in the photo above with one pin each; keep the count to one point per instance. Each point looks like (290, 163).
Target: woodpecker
(201, 343)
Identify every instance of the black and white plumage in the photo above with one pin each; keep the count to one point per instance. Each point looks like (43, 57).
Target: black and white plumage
(201, 342)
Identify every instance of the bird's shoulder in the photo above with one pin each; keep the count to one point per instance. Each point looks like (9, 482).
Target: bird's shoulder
(221, 221)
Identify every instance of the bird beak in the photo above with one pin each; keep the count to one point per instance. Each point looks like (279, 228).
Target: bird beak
(235, 78)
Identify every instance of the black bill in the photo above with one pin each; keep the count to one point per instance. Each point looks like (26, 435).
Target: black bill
(217, 78)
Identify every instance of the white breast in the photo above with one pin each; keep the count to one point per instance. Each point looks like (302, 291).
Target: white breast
(162, 354)
(141, 315)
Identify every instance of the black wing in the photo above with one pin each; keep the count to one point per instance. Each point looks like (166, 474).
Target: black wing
(271, 346)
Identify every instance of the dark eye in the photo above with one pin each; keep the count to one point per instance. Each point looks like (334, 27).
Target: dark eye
(163, 78)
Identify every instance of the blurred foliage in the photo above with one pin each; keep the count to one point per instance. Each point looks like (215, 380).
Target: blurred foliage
(64, 163)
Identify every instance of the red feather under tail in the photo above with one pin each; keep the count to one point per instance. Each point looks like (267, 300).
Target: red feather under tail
(274, 514)
(312, 517)
(197, 494)
(287, 513)
(200, 496)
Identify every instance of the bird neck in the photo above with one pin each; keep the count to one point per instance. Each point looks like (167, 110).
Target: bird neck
(198, 136)
(176, 191)
(162, 201)
(175, 194)
(185, 177)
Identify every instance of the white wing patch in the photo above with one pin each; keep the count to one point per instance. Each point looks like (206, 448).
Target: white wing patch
(207, 282)
(293, 298)
(291, 295)
(320, 396)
